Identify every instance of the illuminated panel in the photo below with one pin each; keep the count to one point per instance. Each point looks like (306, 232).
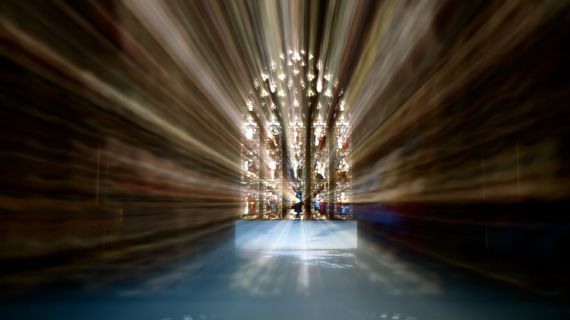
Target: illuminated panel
(295, 235)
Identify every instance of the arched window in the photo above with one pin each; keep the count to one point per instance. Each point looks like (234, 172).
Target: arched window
(295, 143)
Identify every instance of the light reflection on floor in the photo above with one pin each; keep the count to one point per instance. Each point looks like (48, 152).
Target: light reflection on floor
(372, 281)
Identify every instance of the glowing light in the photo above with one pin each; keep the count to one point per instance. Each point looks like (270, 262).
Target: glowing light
(248, 133)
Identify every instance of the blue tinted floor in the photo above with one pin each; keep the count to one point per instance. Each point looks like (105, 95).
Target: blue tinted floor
(227, 281)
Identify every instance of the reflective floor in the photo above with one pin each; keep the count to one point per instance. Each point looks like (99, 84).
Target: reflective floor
(374, 281)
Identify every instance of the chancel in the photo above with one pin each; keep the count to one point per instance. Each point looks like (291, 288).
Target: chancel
(284, 159)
